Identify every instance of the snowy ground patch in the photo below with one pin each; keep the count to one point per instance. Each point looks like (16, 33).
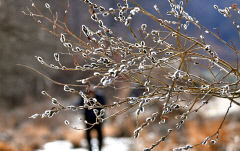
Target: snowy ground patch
(218, 107)
(110, 144)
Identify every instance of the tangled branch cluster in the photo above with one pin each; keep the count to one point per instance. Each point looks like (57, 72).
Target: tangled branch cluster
(165, 62)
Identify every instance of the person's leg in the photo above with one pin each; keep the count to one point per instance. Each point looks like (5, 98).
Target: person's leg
(88, 135)
(100, 136)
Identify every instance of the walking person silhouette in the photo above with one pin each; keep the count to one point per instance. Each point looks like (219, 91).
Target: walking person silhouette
(90, 117)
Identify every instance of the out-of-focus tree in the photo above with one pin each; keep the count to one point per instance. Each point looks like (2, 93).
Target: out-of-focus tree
(20, 39)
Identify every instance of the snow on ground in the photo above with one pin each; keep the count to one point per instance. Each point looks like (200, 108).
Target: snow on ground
(218, 107)
(110, 144)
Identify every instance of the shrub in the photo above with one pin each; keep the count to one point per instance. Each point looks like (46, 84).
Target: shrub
(176, 69)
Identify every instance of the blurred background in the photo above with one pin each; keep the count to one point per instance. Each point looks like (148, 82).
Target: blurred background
(20, 89)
